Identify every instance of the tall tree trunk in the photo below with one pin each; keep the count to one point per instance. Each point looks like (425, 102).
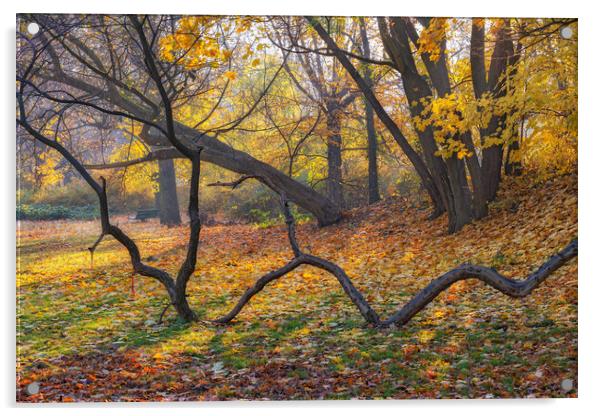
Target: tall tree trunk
(465, 199)
(373, 194)
(335, 169)
(169, 209)
(449, 174)
(502, 57)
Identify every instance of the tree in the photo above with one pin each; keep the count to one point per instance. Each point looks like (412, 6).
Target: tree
(489, 276)
(445, 136)
(104, 70)
(330, 91)
(169, 209)
(373, 194)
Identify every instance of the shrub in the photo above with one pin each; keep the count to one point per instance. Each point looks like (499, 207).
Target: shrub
(41, 212)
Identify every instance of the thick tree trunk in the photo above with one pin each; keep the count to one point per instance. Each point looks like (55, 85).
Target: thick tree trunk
(449, 174)
(169, 209)
(464, 198)
(493, 155)
(334, 182)
(179, 301)
(492, 169)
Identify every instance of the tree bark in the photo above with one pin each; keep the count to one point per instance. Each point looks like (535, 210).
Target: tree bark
(334, 182)
(449, 174)
(503, 53)
(373, 194)
(169, 209)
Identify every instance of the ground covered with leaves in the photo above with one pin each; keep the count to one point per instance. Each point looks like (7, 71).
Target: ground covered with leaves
(89, 331)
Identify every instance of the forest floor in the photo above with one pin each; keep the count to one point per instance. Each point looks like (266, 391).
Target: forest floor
(89, 332)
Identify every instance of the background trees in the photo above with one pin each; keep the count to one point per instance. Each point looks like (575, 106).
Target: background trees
(439, 114)
(458, 103)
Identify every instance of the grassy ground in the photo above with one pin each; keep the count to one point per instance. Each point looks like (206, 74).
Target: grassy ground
(89, 332)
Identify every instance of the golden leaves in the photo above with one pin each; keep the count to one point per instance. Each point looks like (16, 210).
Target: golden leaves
(431, 37)
(231, 75)
(425, 336)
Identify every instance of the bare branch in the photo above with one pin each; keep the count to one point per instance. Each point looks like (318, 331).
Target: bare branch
(234, 184)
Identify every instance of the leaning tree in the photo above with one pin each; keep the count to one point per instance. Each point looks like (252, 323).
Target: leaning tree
(96, 62)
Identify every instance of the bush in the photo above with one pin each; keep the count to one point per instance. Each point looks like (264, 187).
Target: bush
(74, 194)
(41, 212)
(77, 195)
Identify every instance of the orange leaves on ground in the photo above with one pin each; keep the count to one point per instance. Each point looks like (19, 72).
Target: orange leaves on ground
(83, 337)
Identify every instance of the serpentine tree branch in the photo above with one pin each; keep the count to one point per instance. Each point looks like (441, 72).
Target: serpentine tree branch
(489, 276)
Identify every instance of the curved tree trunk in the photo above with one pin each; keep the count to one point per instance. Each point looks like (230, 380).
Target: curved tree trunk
(220, 154)
(214, 152)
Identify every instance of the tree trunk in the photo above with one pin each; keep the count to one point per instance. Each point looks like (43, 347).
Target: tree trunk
(449, 174)
(334, 183)
(373, 194)
(492, 169)
(513, 166)
(169, 209)
(220, 154)
(493, 155)
(179, 301)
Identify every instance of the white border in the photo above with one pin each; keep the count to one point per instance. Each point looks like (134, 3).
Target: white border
(590, 203)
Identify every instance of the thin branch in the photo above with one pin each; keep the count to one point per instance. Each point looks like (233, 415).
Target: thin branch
(236, 183)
